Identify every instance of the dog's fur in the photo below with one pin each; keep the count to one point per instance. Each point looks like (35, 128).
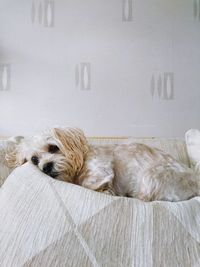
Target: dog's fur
(7, 146)
(133, 170)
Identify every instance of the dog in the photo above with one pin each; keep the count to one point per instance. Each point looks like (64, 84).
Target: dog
(132, 170)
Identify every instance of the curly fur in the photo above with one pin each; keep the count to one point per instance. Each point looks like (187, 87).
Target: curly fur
(8, 156)
(74, 146)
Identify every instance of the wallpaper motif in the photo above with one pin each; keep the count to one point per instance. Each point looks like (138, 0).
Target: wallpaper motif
(162, 86)
(196, 9)
(5, 73)
(127, 10)
(83, 76)
(42, 12)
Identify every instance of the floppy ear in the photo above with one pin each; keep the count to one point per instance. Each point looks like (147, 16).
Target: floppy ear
(73, 144)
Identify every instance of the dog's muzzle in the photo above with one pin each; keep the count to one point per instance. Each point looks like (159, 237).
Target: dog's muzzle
(48, 169)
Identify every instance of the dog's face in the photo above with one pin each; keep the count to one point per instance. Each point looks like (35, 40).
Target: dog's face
(45, 153)
(59, 152)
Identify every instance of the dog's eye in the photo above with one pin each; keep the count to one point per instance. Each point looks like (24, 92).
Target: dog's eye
(35, 160)
(53, 149)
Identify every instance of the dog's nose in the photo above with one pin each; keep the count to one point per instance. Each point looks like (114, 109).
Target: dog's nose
(47, 168)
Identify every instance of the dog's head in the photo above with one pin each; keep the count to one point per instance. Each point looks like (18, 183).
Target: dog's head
(59, 152)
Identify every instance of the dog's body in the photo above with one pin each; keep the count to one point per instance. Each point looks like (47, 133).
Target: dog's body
(133, 170)
(139, 171)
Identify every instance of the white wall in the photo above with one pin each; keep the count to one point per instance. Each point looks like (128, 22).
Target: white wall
(122, 54)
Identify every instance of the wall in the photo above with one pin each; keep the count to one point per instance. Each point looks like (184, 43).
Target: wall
(111, 67)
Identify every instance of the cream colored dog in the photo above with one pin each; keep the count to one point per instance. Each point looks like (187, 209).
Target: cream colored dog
(132, 170)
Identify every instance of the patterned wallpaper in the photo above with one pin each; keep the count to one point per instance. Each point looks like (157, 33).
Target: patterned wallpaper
(111, 67)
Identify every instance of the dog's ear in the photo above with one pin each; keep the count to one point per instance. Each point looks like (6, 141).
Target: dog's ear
(74, 145)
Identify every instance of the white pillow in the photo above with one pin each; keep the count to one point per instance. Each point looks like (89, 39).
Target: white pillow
(192, 138)
(6, 145)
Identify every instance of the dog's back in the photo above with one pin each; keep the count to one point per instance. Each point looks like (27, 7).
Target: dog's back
(137, 170)
(151, 174)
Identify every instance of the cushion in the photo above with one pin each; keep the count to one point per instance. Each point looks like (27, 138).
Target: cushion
(192, 138)
(44, 222)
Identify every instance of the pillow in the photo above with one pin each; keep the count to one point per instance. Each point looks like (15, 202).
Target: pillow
(6, 146)
(192, 138)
